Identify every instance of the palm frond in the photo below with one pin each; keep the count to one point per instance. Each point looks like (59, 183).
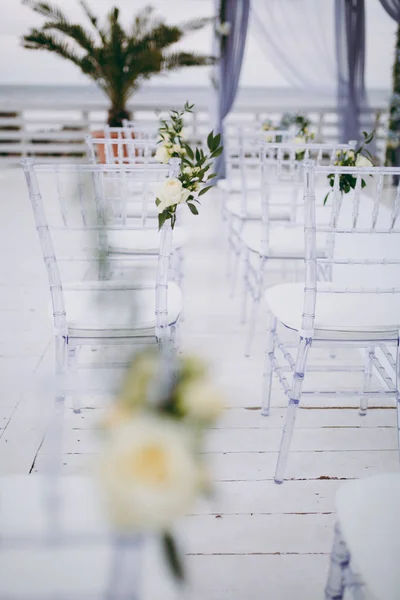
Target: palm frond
(195, 24)
(75, 32)
(93, 19)
(39, 40)
(186, 59)
(49, 11)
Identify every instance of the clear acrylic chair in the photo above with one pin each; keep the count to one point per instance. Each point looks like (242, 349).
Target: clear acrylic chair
(140, 130)
(120, 150)
(357, 305)
(100, 297)
(242, 187)
(366, 547)
(261, 242)
(123, 150)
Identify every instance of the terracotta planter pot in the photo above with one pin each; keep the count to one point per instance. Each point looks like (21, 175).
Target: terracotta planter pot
(100, 148)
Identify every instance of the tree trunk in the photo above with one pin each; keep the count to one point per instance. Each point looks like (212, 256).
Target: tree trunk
(117, 114)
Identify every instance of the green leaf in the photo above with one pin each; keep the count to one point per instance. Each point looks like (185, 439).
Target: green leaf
(173, 557)
(210, 140)
(326, 198)
(205, 189)
(212, 175)
(158, 201)
(189, 151)
(217, 152)
(217, 141)
(193, 208)
(197, 155)
(162, 217)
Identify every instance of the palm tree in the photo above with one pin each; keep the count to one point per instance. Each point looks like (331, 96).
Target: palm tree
(117, 59)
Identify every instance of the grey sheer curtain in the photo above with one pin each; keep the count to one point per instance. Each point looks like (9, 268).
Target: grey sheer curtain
(392, 7)
(350, 51)
(235, 12)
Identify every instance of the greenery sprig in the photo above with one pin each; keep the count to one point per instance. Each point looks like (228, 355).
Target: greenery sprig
(360, 157)
(194, 178)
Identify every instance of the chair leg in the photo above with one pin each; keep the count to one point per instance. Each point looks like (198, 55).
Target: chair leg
(367, 380)
(72, 371)
(243, 317)
(294, 400)
(398, 390)
(56, 426)
(268, 368)
(255, 308)
(340, 560)
(237, 252)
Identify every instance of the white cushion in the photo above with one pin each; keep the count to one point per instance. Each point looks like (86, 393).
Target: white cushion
(253, 209)
(114, 311)
(141, 241)
(364, 316)
(284, 241)
(369, 518)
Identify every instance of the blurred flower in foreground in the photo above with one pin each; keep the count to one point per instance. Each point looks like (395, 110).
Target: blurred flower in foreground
(149, 472)
(150, 466)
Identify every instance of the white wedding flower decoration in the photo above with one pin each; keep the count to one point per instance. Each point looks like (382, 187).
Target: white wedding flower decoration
(171, 193)
(149, 473)
(299, 139)
(363, 161)
(162, 154)
(200, 400)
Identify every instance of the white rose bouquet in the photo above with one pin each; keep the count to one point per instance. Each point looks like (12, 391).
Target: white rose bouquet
(195, 166)
(151, 467)
(360, 157)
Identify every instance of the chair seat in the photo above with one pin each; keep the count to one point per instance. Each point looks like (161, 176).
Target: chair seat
(369, 518)
(109, 309)
(253, 209)
(284, 241)
(141, 241)
(338, 316)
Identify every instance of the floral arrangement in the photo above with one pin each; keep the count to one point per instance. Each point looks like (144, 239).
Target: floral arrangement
(360, 157)
(195, 166)
(150, 466)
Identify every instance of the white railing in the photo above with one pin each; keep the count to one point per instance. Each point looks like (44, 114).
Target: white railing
(51, 125)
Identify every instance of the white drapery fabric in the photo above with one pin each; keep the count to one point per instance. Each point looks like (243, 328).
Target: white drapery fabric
(299, 38)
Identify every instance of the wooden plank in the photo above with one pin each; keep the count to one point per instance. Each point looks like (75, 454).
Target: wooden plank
(278, 577)
(254, 534)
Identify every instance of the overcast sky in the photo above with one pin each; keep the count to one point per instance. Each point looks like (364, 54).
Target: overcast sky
(18, 65)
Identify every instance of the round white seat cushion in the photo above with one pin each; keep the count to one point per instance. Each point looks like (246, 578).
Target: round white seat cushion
(116, 311)
(141, 241)
(362, 316)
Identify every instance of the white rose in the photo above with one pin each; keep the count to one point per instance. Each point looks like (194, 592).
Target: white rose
(162, 154)
(178, 149)
(351, 154)
(363, 161)
(200, 400)
(299, 139)
(149, 473)
(188, 171)
(171, 193)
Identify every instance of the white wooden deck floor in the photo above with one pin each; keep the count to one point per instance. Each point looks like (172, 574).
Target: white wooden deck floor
(254, 539)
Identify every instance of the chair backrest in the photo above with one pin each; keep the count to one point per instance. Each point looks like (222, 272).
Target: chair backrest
(78, 208)
(121, 150)
(141, 131)
(281, 180)
(362, 235)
